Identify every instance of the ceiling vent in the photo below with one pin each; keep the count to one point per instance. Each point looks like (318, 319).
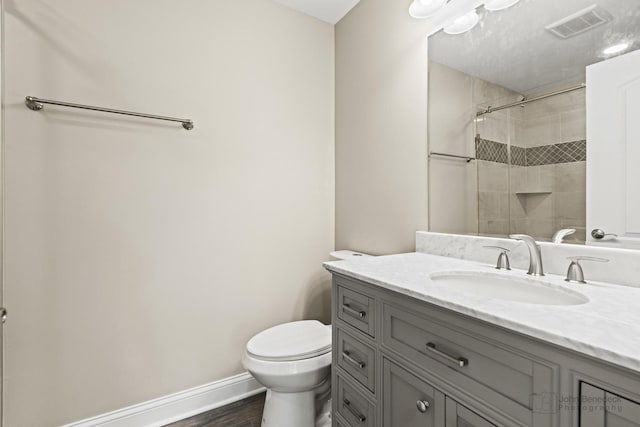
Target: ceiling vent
(580, 22)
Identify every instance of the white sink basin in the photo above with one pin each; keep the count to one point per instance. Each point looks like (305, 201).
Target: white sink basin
(506, 287)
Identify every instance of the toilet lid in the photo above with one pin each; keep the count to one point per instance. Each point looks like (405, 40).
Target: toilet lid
(291, 341)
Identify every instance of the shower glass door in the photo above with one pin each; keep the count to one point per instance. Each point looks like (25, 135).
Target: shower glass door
(493, 155)
(531, 166)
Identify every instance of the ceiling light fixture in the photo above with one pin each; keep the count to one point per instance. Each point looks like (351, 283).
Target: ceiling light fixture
(462, 24)
(617, 48)
(494, 5)
(425, 8)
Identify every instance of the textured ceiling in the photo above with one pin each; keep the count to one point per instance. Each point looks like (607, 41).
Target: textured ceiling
(330, 11)
(511, 47)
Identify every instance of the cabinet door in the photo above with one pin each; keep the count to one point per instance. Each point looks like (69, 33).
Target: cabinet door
(459, 416)
(408, 401)
(599, 408)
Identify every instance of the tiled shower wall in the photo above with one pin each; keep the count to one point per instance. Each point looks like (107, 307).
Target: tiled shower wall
(530, 176)
(496, 133)
(531, 168)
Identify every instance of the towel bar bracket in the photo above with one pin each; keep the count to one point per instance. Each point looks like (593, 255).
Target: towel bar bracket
(33, 104)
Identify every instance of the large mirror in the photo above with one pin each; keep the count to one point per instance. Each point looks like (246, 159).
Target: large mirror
(508, 111)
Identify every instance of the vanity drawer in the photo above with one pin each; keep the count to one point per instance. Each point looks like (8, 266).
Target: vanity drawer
(354, 407)
(471, 363)
(356, 309)
(357, 359)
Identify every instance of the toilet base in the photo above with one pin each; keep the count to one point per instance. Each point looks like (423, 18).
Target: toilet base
(323, 419)
(289, 409)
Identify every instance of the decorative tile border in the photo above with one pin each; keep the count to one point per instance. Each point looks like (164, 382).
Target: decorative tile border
(498, 152)
(567, 152)
(491, 151)
(518, 156)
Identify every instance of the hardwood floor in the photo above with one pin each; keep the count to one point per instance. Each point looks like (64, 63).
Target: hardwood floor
(245, 413)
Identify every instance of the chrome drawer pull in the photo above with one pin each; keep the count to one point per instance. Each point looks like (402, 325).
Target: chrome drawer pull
(348, 309)
(347, 356)
(422, 405)
(361, 418)
(460, 361)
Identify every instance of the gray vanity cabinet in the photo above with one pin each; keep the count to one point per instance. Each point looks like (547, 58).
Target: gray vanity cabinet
(409, 401)
(459, 416)
(353, 406)
(599, 408)
(474, 363)
(356, 309)
(402, 362)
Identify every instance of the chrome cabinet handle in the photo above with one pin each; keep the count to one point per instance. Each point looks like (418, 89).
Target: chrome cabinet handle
(422, 405)
(460, 361)
(346, 355)
(599, 234)
(361, 418)
(356, 313)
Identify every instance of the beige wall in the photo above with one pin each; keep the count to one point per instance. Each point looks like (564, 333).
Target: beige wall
(456, 187)
(452, 182)
(381, 128)
(141, 257)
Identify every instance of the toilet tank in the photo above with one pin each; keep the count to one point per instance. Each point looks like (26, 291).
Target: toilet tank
(346, 254)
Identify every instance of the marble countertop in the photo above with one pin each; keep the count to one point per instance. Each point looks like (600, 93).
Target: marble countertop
(606, 327)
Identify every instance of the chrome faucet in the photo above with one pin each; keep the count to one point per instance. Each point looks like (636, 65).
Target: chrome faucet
(561, 234)
(535, 257)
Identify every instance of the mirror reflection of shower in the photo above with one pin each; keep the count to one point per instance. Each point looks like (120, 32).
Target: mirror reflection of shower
(531, 162)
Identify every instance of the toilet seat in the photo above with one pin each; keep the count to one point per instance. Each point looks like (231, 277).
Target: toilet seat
(292, 341)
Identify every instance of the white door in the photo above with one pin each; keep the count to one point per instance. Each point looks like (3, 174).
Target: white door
(613, 150)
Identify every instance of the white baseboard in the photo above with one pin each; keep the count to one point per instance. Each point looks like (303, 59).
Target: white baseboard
(178, 406)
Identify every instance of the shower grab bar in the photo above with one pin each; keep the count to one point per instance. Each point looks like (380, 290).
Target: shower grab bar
(37, 104)
(455, 156)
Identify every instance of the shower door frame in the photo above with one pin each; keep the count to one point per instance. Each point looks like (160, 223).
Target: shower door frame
(2, 192)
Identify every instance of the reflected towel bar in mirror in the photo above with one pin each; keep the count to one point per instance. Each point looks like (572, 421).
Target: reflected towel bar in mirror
(37, 104)
(453, 156)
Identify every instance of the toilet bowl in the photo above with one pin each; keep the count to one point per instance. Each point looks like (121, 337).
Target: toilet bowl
(293, 361)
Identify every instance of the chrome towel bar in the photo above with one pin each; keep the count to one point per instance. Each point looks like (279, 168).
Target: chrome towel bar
(454, 156)
(37, 104)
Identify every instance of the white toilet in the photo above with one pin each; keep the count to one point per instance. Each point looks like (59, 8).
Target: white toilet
(293, 361)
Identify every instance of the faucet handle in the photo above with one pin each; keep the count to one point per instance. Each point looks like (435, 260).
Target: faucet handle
(521, 237)
(575, 273)
(503, 258)
(497, 247)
